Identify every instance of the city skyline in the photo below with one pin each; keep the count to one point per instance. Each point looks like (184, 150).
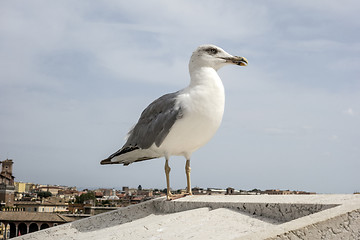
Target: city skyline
(76, 77)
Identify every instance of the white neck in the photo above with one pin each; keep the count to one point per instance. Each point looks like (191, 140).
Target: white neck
(206, 87)
(206, 76)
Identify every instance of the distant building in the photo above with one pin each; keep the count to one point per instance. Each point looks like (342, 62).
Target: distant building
(52, 204)
(284, 192)
(7, 188)
(21, 187)
(6, 176)
(231, 191)
(68, 195)
(78, 207)
(107, 191)
(42, 207)
(113, 198)
(98, 193)
(16, 223)
(198, 191)
(277, 192)
(137, 199)
(145, 192)
(129, 191)
(49, 188)
(215, 191)
(303, 192)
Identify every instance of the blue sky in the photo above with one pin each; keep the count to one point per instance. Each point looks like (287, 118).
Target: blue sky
(75, 76)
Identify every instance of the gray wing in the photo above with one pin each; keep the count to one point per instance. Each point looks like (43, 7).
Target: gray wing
(155, 122)
(153, 126)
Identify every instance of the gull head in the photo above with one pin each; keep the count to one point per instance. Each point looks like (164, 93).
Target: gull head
(214, 57)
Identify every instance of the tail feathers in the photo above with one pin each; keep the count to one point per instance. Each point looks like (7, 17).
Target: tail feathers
(129, 155)
(107, 161)
(120, 152)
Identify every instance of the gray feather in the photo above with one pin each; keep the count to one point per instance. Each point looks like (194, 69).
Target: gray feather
(153, 126)
(155, 122)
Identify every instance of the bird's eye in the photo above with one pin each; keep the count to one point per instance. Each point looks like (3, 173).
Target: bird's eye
(212, 51)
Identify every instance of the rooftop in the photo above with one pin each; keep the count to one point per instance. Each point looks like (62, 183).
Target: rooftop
(222, 217)
(33, 217)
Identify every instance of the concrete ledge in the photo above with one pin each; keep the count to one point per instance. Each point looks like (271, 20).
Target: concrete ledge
(222, 217)
(341, 222)
(281, 212)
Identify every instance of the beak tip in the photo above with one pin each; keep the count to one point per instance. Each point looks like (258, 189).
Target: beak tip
(241, 61)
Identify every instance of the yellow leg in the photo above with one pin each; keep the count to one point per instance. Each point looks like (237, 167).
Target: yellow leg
(188, 170)
(167, 171)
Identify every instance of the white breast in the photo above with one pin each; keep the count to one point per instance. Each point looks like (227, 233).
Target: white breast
(202, 103)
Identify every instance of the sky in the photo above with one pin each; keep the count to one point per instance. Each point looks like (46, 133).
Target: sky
(75, 76)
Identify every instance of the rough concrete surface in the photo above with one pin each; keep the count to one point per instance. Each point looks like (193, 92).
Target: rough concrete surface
(222, 217)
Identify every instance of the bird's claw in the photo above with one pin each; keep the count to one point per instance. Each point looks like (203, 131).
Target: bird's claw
(177, 196)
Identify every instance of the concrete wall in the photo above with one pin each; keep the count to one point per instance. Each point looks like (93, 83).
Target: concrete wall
(260, 217)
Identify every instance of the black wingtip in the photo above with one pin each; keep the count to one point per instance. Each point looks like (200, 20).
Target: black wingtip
(106, 161)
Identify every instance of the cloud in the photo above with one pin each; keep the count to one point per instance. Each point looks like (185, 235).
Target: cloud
(334, 137)
(279, 131)
(75, 78)
(349, 112)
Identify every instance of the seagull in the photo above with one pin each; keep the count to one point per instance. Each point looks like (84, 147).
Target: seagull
(179, 123)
